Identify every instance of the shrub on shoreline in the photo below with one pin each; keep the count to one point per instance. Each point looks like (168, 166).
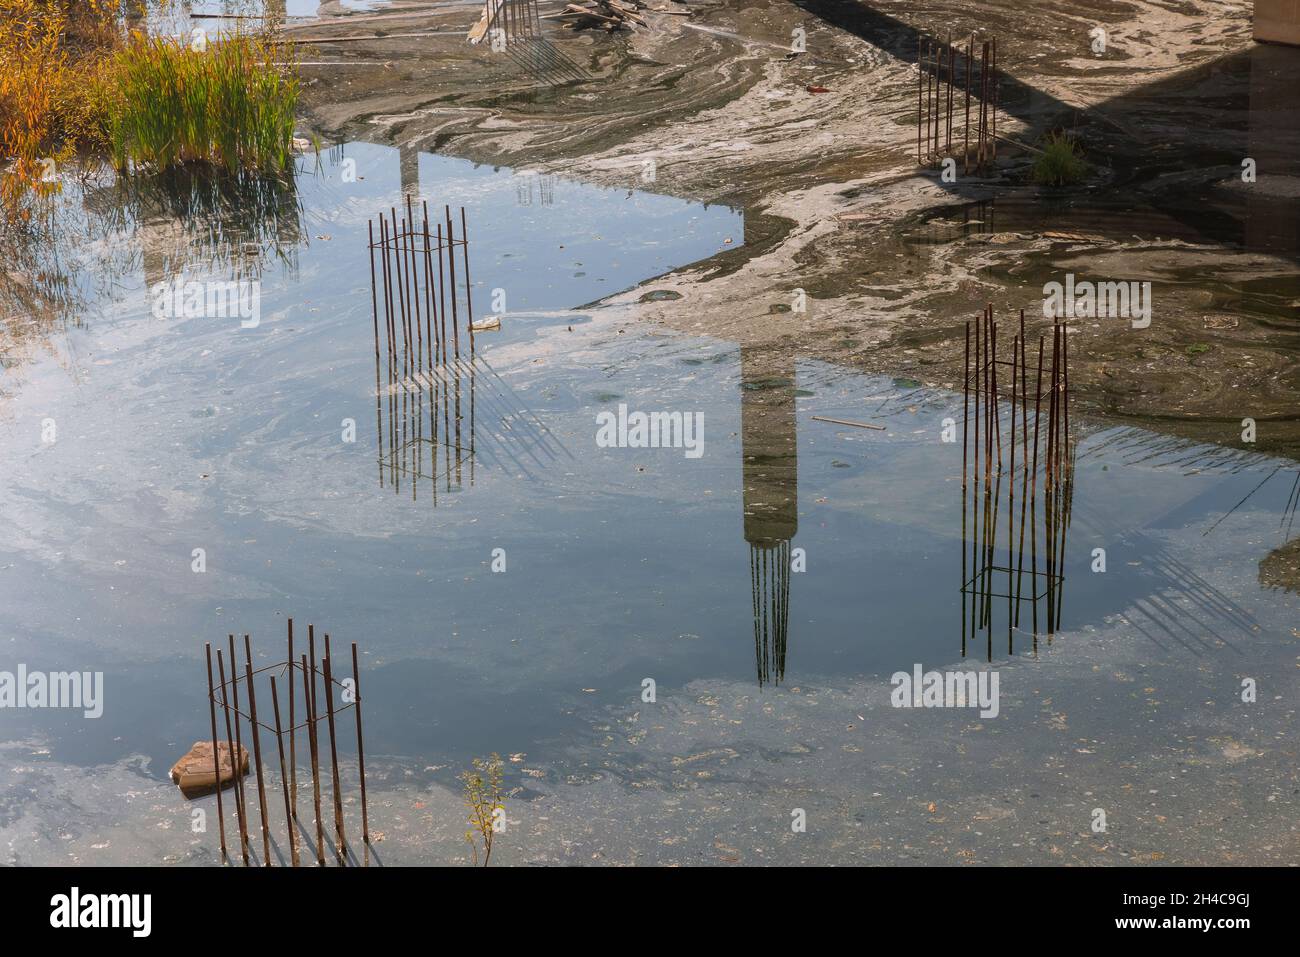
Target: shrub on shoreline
(75, 80)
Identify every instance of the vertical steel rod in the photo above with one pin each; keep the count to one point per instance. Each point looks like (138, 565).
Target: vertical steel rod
(469, 288)
(239, 742)
(451, 277)
(257, 761)
(361, 747)
(236, 759)
(284, 777)
(293, 747)
(216, 755)
(970, 57)
(315, 764)
(334, 754)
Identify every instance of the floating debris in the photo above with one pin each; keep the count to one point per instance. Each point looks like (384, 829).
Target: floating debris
(196, 773)
(608, 15)
(860, 425)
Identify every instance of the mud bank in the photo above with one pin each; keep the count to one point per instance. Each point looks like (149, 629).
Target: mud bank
(894, 260)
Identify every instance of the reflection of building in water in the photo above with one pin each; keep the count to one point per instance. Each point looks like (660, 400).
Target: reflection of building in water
(770, 475)
(408, 165)
(531, 186)
(1017, 482)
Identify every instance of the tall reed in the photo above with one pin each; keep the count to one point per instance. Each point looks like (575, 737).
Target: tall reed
(74, 79)
(33, 67)
(1061, 161)
(231, 103)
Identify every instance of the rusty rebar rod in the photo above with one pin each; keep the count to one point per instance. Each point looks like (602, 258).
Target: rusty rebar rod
(469, 286)
(239, 742)
(236, 759)
(293, 747)
(289, 814)
(952, 65)
(257, 762)
(333, 753)
(451, 277)
(993, 106)
(1033, 490)
(315, 764)
(430, 321)
(412, 261)
(921, 79)
(965, 416)
(970, 57)
(361, 747)
(311, 657)
(442, 296)
(216, 754)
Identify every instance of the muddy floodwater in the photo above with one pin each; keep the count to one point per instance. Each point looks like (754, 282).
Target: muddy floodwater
(678, 650)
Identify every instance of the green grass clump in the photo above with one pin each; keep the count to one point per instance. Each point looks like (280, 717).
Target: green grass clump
(1061, 162)
(231, 103)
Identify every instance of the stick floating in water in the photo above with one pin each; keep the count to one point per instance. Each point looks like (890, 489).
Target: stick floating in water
(860, 425)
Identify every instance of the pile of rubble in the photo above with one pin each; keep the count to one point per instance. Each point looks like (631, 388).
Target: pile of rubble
(604, 14)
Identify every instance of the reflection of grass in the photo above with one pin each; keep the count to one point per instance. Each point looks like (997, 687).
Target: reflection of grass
(1061, 162)
(71, 259)
(229, 104)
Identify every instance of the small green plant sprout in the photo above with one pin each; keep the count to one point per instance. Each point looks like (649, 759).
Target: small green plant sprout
(486, 805)
(1061, 161)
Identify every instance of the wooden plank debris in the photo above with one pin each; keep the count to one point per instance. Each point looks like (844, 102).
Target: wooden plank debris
(860, 425)
(608, 14)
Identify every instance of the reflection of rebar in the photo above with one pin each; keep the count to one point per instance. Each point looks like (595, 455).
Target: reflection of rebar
(769, 572)
(515, 28)
(984, 394)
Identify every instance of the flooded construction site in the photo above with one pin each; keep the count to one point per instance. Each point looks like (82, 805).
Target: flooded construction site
(787, 432)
